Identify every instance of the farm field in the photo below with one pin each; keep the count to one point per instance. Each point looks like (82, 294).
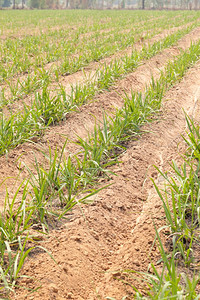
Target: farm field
(99, 154)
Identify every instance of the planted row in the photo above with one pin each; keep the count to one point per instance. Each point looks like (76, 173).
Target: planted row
(179, 276)
(181, 199)
(40, 77)
(71, 47)
(54, 188)
(48, 109)
(176, 274)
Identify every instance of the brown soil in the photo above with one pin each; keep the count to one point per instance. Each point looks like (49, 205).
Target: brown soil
(116, 231)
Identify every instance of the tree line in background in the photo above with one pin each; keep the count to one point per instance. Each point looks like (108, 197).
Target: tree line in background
(101, 4)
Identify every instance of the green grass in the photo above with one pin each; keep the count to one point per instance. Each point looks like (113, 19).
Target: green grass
(165, 283)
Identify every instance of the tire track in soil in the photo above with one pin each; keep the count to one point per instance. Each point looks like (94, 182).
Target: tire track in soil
(116, 231)
(79, 123)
